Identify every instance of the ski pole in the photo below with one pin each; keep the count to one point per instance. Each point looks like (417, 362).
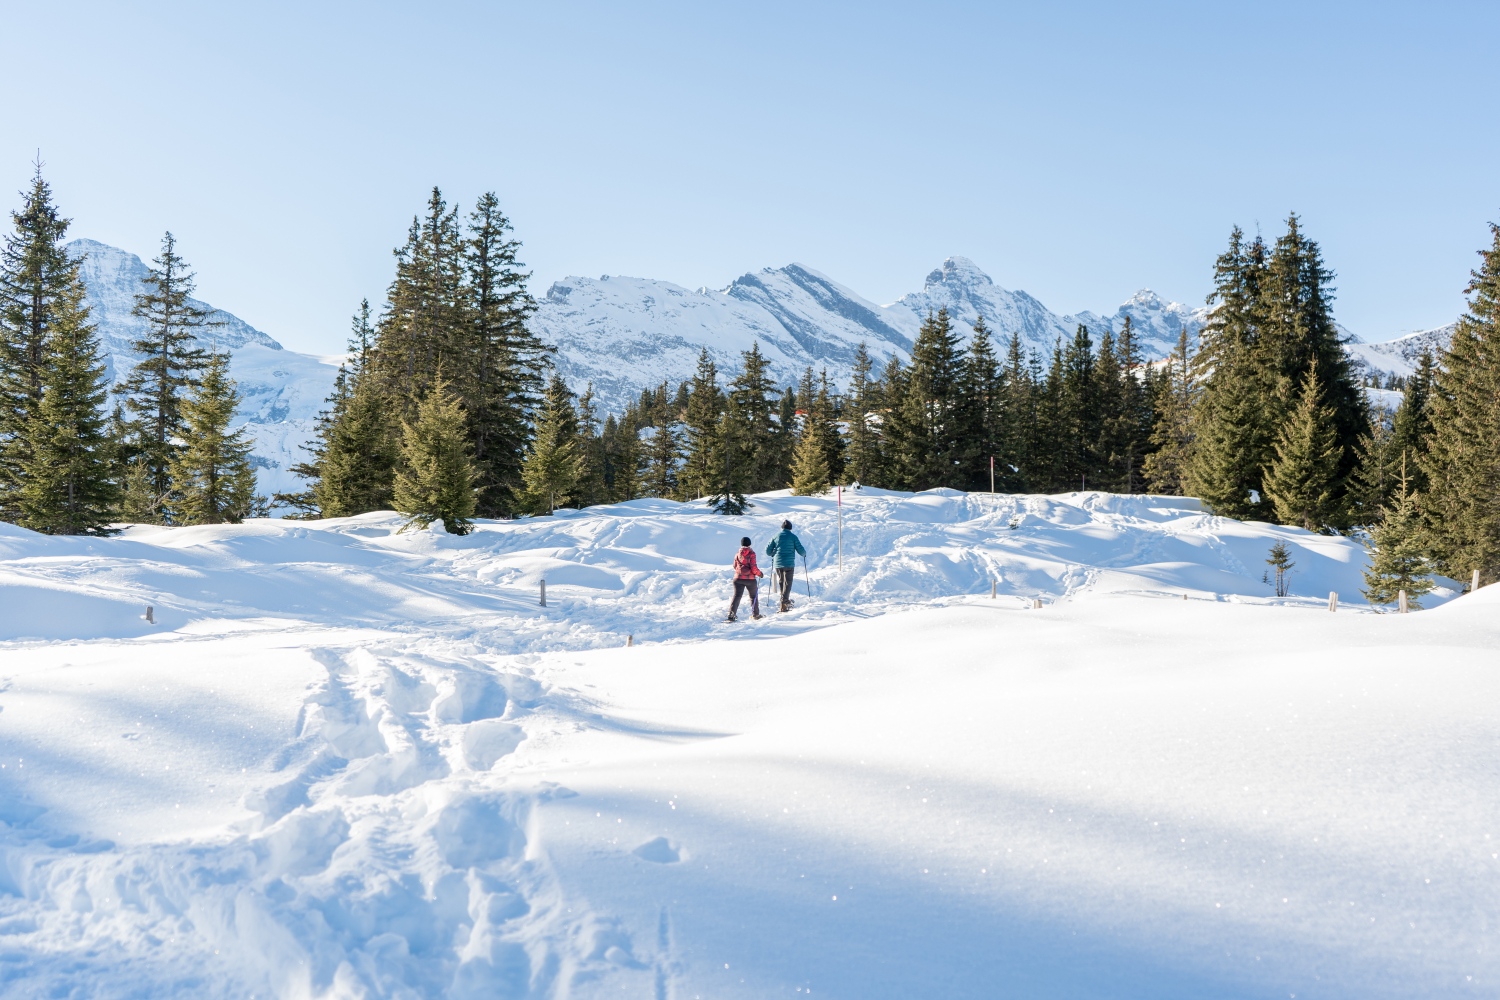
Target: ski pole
(806, 576)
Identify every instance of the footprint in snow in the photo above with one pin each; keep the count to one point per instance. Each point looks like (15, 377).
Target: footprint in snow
(659, 850)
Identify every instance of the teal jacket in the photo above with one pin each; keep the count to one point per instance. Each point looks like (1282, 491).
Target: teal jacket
(784, 547)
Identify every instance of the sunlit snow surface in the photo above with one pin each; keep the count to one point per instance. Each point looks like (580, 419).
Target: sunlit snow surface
(348, 762)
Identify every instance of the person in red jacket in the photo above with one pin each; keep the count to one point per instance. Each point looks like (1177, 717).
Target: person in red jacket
(746, 574)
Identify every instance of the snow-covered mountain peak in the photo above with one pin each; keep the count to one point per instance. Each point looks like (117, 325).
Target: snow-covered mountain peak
(958, 272)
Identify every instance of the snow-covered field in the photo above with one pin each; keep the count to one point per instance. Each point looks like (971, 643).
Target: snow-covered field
(348, 762)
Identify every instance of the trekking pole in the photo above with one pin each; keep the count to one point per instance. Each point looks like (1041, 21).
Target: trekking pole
(806, 576)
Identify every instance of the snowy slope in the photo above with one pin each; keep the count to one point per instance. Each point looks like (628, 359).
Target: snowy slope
(348, 762)
(1401, 355)
(283, 390)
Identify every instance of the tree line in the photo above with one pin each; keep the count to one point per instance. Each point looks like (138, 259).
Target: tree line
(448, 408)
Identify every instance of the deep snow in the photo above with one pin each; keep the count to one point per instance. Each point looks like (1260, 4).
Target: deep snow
(347, 761)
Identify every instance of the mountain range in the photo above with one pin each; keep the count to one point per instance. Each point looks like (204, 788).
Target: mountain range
(622, 334)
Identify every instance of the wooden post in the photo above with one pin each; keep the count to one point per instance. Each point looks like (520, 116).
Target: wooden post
(1475, 585)
(544, 593)
(1401, 597)
(630, 639)
(1333, 601)
(150, 615)
(1184, 597)
(1036, 602)
(992, 590)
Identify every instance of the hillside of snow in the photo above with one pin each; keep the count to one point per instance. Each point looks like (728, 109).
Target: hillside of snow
(346, 761)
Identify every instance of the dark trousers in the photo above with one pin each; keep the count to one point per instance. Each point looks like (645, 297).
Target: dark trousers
(784, 583)
(740, 587)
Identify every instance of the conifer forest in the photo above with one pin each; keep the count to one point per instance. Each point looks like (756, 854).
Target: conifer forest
(447, 408)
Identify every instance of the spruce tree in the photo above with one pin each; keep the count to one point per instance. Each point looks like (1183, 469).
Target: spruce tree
(1399, 561)
(810, 466)
(1462, 459)
(357, 470)
(1304, 482)
(592, 459)
(46, 345)
(65, 484)
(505, 358)
(1019, 420)
(823, 410)
(622, 447)
(212, 481)
(734, 461)
(751, 396)
(55, 450)
(1172, 435)
(864, 459)
(554, 466)
(705, 404)
(924, 422)
(436, 478)
(982, 409)
(1078, 414)
(663, 457)
(171, 361)
(139, 501)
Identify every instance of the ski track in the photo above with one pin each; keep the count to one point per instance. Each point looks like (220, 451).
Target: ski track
(388, 846)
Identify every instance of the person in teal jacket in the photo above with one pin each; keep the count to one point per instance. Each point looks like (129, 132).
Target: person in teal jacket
(784, 549)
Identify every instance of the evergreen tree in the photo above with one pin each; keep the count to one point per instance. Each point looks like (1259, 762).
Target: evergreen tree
(66, 486)
(170, 364)
(55, 453)
(924, 423)
(810, 466)
(1399, 561)
(505, 358)
(139, 501)
(662, 460)
(705, 404)
(554, 466)
(750, 395)
(305, 502)
(1018, 439)
(212, 481)
(1462, 459)
(623, 457)
(1172, 436)
(592, 460)
(426, 326)
(823, 411)
(436, 479)
(784, 442)
(1303, 482)
(1281, 564)
(357, 470)
(733, 459)
(864, 459)
(1078, 411)
(982, 409)
(1232, 431)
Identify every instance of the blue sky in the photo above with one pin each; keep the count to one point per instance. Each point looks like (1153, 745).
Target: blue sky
(1078, 151)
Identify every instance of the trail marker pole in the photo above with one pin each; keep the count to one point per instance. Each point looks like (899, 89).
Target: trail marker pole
(1401, 597)
(1333, 600)
(992, 473)
(992, 590)
(841, 528)
(544, 593)
(1475, 585)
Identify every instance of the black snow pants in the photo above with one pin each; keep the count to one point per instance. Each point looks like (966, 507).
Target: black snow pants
(740, 587)
(784, 584)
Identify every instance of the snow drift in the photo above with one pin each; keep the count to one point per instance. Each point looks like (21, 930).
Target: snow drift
(351, 762)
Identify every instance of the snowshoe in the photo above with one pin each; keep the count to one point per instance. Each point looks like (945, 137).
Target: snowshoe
(731, 618)
(757, 616)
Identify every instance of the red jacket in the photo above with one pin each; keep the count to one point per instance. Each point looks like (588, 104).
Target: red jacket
(744, 565)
